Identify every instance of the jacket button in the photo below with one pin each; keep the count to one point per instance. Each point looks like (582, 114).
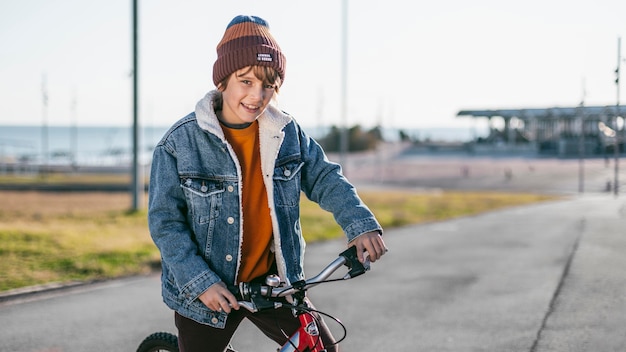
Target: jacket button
(287, 173)
(214, 321)
(230, 220)
(229, 258)
(204, 189)
(231, 188)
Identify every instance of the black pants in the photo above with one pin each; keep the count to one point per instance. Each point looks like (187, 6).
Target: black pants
(196, 337)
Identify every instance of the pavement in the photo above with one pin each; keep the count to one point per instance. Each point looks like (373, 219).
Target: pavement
(545, 277)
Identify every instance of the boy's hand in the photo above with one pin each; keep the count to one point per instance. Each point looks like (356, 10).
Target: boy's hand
(218, 298)
(372, 242)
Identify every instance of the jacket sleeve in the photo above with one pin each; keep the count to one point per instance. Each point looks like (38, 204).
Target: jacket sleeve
(170, 230)
(324, 183)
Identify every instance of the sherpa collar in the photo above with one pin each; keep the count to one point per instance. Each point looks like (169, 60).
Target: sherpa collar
(272, 119)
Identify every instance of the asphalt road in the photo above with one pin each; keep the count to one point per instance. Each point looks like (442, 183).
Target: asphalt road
(546, 277)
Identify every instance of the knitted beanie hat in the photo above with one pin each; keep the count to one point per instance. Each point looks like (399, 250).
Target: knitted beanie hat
(247, 42)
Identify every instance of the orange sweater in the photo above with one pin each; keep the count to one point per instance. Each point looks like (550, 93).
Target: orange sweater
(256, 257)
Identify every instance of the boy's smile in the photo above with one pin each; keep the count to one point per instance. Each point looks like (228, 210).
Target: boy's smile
(245, 97)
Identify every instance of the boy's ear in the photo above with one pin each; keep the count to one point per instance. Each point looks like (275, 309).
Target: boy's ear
(220, 87)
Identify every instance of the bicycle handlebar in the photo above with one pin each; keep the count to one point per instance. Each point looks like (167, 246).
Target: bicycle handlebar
(255, 296)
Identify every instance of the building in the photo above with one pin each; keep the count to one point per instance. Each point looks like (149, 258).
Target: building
(561, 131)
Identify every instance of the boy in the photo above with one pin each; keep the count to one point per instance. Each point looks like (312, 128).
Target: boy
(224, 196)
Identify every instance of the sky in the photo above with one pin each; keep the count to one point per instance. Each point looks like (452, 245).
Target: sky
(411, 64)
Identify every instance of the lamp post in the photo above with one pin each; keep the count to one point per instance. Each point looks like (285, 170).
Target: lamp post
(343, 136)
(581, 148)
(44, 127)
(137, 182)
(615, 125)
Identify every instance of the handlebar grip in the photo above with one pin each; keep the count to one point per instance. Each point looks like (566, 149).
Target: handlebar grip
(353, 263)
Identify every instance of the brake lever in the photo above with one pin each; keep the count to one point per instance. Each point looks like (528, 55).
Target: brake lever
(254, 300)
(352, 262)
(249, 306)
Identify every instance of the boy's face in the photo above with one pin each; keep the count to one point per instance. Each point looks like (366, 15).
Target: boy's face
(245, 97)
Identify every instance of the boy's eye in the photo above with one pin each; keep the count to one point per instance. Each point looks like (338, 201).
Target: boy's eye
(245, 81)
(270, 86)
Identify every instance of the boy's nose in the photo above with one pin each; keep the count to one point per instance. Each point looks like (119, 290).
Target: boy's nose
(258, 93)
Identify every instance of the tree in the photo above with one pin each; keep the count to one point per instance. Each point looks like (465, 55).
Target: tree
(358, 140)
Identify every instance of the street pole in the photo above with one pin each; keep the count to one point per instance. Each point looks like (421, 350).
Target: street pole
(137, 183)
(74, 133)
(44, 128)
(343, 137)
(581, 149)
(615, 125)
(581, 142)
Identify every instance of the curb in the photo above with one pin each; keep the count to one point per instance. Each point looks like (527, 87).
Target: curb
(25, 293)
(30, 293)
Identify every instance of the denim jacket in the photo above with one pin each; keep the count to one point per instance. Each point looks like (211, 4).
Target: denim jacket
(195, 212)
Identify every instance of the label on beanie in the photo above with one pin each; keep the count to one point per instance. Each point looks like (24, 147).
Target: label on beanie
(264, 57)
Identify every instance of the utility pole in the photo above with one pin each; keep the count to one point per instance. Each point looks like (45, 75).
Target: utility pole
(137, 182)
(615, 125)
(44, 127)
(343, 137)
(74, 132)
(581, 143)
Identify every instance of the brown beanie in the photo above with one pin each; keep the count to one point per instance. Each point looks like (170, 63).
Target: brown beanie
(247, 42)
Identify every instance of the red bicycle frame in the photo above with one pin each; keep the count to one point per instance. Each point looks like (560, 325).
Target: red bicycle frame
(307, 338)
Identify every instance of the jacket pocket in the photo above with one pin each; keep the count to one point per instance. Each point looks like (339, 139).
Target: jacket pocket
(287, 183)
(204, 197)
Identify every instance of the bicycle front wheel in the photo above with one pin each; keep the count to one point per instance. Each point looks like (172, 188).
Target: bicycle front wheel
(159, 342)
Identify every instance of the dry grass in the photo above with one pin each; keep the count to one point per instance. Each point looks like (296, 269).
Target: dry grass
(33, 205)
(395, 208)
(48, 237)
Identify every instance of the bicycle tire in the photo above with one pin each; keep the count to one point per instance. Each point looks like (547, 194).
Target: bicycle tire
(159, 342)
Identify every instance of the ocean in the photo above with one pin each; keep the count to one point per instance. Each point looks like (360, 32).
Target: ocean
(105, 146)
(81, 145)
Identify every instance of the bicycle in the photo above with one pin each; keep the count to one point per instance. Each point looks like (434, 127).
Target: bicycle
(257, 297)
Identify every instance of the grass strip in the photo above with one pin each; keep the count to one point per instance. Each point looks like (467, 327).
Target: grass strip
(50, 238)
